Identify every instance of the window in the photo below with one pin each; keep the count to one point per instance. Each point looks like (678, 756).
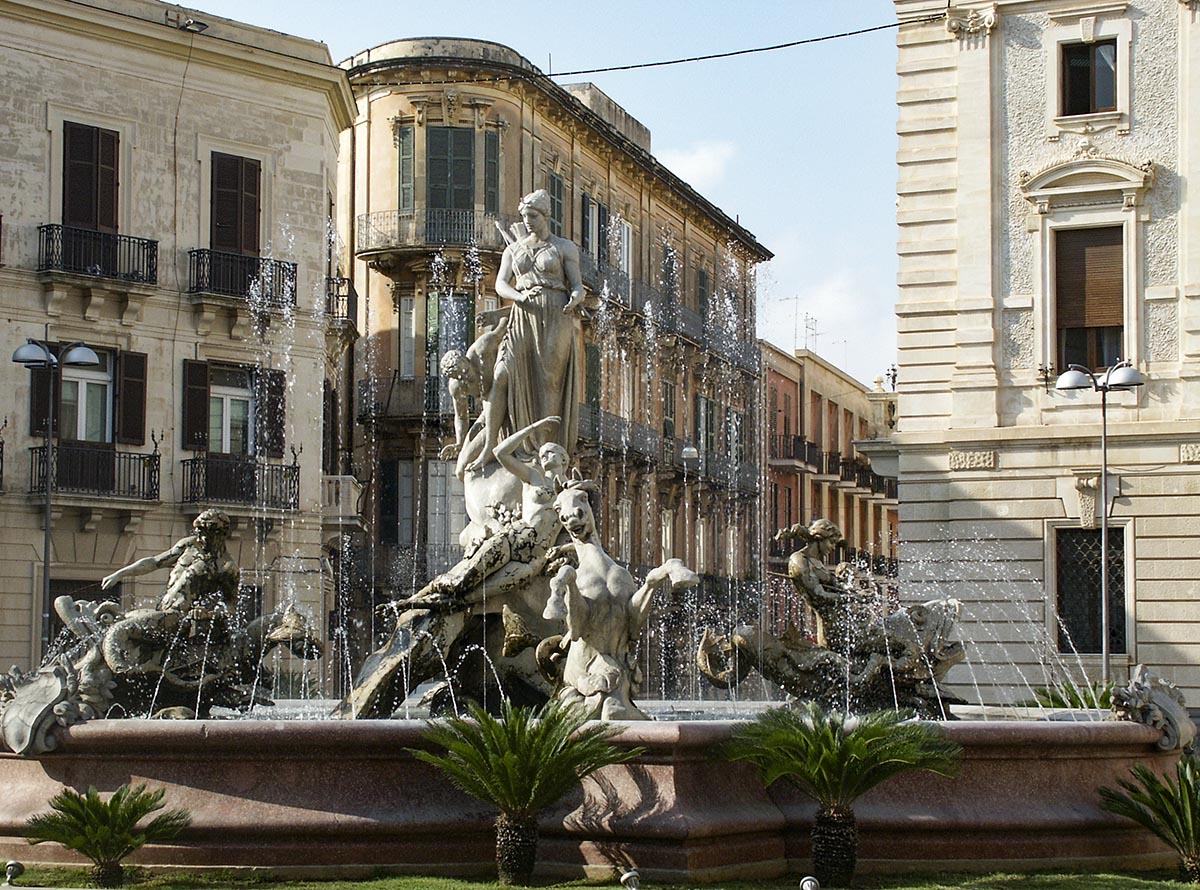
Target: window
(1089, 77)
(449, 324)
(85, 402)
(234, 217)
(670, 277)
(407, 196)
(591, 354)
(554, 185)
(408, 338)
(735, 435)
(625, 530)
(449, 170)
(98, 404)
(447, 516)
(395, 503)
(668, 393)
(702, 292)
(706, 424)
(1077, 572)
(232, 409)
(1089, 296)
(626, 235)
(666, 524)
(90, 177)
(491, 172)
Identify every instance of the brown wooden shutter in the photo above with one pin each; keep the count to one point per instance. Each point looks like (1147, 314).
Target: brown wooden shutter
(79, 175)
(226, 199)
(249, 207)
(107, 180)
(40, 381)
(270, 410)
(195, 405)
(1089, 277)
(131, 398)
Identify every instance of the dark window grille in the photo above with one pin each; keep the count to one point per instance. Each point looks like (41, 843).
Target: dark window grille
(1078, 575)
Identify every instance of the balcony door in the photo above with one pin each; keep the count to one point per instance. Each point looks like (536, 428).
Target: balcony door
(450, 185)
(89, 211)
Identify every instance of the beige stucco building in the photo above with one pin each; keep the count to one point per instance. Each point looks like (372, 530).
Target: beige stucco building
(166, 189)
(449, 134)
(1047, 151)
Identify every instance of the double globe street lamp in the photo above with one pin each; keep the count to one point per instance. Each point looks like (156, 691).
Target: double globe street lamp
(1120, 377)
(37, 355)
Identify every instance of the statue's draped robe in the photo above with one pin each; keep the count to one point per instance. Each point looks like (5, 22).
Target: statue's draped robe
(541, 347)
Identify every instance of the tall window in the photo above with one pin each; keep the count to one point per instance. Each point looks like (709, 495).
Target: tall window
(668, 393)
(230, 411)
(86, 402)
(625, 530)
(702, 292)
(236, 191)
(450, 169)
(706, 424)
(1078, 566)
(1089, 293)
(449, 324)
(408, 338)
(491, 172)
(670, 276)
(1089, 77)
(554, 185)
(396, 502)
(90, 177)
(404, 142)
(591, 355)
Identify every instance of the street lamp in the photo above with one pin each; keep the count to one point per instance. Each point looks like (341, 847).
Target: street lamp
(36, 354)
(1120, 377)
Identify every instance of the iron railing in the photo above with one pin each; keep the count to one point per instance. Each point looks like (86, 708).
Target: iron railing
(831, 464)
(381, 397)
(604, 279)
(98, 469)
(391, 229)
(235, 479)
(259, 280)
(341, 300)
(787, 447)
(100, 254)
(691, 324)
(812, 454)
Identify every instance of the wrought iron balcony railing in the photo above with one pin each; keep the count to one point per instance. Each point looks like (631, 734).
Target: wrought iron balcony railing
(234, 479)
(603, 278)
(263, 282)
(341, 300)
(395, 396)
(691, 324)
(831, 464)
(787, 447)
(394, 229)
(99, 254)
(96, 469)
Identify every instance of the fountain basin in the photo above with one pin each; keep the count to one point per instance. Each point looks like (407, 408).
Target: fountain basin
(331, 797)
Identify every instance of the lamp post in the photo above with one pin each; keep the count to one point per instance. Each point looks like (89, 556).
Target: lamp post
(37, 354)
(1120, 377)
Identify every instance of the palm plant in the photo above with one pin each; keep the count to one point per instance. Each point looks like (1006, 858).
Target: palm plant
(1169, 808)
(1068, 694)
(105, 831)
(521, 763)
(833, 761)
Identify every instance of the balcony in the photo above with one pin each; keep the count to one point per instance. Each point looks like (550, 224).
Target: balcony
(743, 355)
(691, 324)
(399, 230)
(98, 470)
(97, 254)
(787, 449)
(604, 279)
(656, 305)
(340, 496)
(263, 283)
(341, 301)
(829, 467)
(234, 479)
(381, 398)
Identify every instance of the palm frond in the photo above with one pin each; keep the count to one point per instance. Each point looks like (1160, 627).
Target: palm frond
(1168, 808)
(525, 760)
(834, 760)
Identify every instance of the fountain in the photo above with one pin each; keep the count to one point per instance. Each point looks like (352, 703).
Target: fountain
(536, 608)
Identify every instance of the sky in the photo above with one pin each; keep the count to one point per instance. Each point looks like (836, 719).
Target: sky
(798, 144)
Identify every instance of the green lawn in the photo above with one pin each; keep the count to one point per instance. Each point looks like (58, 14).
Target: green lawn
(60, 877)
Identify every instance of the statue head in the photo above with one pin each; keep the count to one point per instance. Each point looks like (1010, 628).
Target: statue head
(576, 504)
(824, 534)
(456, 365)
(539, 201)
(553, 458)
(211, 525)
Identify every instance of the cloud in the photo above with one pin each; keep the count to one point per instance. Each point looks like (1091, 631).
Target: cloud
(701, 165)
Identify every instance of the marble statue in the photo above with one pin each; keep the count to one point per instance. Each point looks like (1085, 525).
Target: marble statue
(862, 655)
(180, 659)
(1156, 702)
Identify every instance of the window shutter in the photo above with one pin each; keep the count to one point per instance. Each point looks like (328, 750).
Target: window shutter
(225, 198)
(437, 167)
(251, 176)
(106, 181)
(41, 380)
(79, 175)
(491, 172)
(602, 234)
(1089, 277)
(195, 405)
(389, 502)
(585, 219)
(592, 376)
(462, 168)
(270, 410)
(131, 398)
(407, 178)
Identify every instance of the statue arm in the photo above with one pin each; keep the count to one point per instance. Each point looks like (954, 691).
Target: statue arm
(504, 278)
(570, 262)
(505, 450)
(146, 564)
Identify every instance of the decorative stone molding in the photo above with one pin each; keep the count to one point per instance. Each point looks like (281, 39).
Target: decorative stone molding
(1106, 180)
(972, 460)
(1162, 334)
(480, 105)
(1193, 5)
(450, 100)
(1087, 487)
(972, 22)
(399, 122)
(420, 104)
(1019, 338)
(1189, 453)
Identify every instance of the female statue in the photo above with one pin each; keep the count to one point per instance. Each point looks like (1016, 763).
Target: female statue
(539, 364)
